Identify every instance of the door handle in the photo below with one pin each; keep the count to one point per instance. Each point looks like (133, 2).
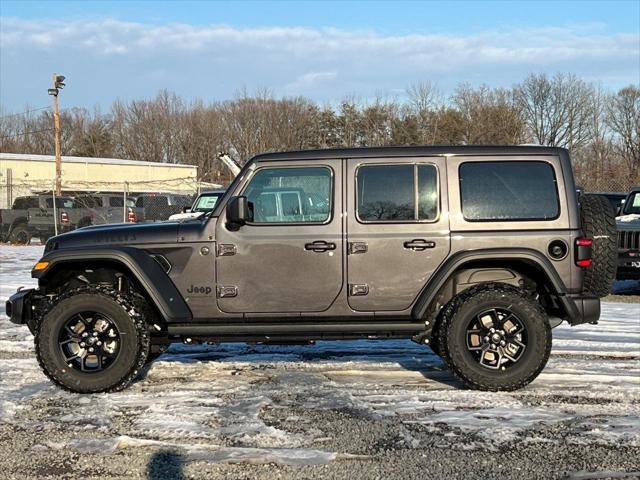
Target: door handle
(319, 246)
(419, 244)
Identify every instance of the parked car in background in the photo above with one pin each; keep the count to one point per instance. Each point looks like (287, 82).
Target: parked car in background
(33, 216)
(203, 204)
(153, 207)
(628, 223)
(99, 208)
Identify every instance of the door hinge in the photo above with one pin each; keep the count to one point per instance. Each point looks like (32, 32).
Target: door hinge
(358, 289)
(226, 249)
(227, 291)
(357, 247)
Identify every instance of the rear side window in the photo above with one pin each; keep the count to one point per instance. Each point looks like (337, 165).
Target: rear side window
(508, 191)
(397, 193)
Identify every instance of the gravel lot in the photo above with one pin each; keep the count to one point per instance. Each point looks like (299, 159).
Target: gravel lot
(358, 409)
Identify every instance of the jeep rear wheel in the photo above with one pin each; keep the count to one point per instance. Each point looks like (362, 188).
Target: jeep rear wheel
(599, 224)
(92, 340)
(495, 337)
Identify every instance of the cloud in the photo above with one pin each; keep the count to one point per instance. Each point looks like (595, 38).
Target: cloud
(324, 63)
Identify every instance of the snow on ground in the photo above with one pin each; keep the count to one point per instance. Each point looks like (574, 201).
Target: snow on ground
(211, 401)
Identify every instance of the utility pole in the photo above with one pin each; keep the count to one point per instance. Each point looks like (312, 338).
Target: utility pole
(57, 86)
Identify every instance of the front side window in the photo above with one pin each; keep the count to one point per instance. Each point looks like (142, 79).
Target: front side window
(397, 193)
(508, 191)
(290, 195)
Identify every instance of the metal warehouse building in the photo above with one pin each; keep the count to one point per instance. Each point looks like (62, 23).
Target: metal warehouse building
(24, 174)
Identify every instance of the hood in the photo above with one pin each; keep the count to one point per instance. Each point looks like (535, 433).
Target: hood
(628, 222)
(186, 216)
(117, 234)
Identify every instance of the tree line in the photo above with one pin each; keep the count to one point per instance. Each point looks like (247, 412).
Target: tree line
(601, 128)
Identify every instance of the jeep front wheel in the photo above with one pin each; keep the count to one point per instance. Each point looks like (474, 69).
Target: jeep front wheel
(495, 337)
(92, 340)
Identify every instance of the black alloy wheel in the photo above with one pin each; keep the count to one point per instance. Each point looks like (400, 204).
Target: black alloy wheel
(89, 341)
(496, 338)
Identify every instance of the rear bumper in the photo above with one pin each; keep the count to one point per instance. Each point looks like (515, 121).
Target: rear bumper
(18, 307)
(581, 309)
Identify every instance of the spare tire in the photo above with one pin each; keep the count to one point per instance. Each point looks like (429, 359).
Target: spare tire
(599, 224)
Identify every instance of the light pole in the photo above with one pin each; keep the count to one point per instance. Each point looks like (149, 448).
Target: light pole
(57, 86)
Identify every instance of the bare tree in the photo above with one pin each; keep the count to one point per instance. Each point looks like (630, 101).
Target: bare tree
(623, 117)
(489, 116)
(556, 110)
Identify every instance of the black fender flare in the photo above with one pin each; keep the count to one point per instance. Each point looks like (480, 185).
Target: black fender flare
(458, 259)
(150, 275)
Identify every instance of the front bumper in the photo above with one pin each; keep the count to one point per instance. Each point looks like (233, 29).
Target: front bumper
(18, 307)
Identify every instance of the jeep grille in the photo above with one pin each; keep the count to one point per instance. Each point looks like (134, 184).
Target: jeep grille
(629, 240)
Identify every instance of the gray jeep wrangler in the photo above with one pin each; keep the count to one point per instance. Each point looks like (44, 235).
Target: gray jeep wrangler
(477, 252)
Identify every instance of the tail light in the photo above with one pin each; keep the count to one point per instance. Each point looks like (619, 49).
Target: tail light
(64, 218)
(583, 252)
(131, 216)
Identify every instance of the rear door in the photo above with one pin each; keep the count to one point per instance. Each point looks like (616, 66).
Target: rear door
(397, 231)
(288, 258)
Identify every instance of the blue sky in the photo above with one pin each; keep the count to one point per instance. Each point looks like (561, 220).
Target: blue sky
(323, 50)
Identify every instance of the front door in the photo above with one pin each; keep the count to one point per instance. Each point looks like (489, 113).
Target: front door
(288, 257)
(397, 233)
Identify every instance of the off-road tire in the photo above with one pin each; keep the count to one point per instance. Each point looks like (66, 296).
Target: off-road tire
(20, 235)
(452, 337)
(129, 320)
(599, 224)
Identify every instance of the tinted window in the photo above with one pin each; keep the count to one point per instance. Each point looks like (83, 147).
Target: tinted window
(87, 202)
(389, 193)
(116, 201)
(24, 203)
(427, 192)
(290, 195)
(60, 202)
(632, 205)
(508, 191)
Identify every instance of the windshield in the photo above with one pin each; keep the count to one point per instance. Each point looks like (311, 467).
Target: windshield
(206, 203)
(632, 205)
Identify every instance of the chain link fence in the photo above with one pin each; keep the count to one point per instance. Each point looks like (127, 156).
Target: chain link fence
(31, 211)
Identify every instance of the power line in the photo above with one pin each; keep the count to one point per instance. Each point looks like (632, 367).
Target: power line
(25, 133)
(25, 112)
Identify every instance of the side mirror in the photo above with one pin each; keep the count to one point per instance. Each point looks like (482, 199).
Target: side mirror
(186, 210)
(619, 210)
(238, 211)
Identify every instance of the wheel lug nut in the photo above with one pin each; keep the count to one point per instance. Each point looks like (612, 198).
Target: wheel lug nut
(492, 330)
(91, 349)
(503, 343)
(486, 339)
(99, 343)
(82, 344)
(95, 334)
(85, 334)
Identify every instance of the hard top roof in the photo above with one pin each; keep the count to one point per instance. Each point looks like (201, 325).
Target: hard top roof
(417, 151)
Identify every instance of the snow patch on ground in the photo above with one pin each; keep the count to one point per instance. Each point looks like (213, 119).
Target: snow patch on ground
(214, 402)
